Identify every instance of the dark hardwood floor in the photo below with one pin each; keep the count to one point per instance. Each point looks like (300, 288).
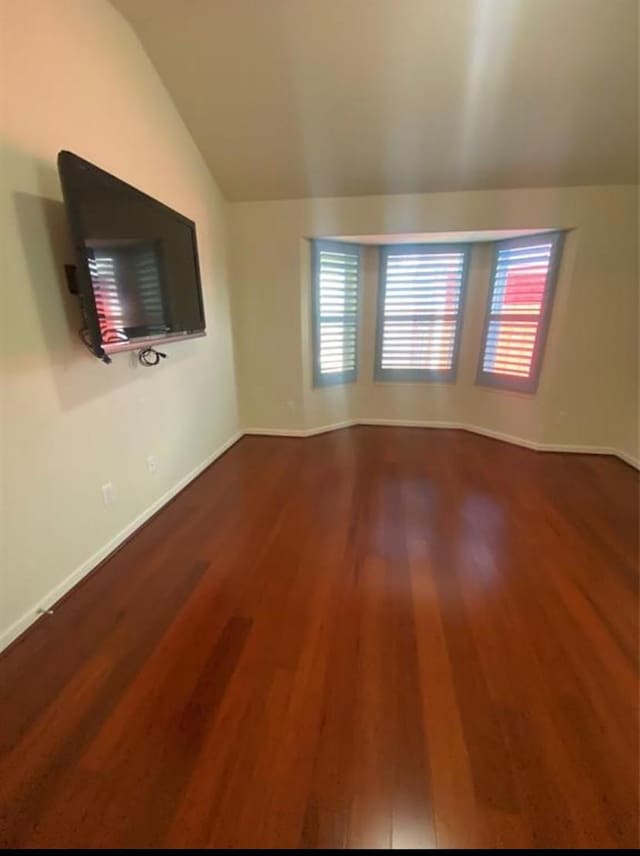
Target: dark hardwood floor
(376, 637)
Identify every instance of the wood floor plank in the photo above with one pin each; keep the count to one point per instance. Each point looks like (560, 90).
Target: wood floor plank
(371, 638)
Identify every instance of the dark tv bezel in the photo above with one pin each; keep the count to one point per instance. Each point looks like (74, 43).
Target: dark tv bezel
(68, 166)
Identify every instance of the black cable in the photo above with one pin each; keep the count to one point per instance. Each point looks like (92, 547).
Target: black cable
(150, 357)
(83, 338)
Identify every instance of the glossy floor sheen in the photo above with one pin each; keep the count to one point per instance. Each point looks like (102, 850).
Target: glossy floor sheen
(376, 637)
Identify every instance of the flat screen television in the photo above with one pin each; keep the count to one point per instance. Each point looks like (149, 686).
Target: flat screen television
(137, 273)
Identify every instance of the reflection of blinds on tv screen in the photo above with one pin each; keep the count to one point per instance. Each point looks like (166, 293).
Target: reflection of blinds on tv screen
(127, 282)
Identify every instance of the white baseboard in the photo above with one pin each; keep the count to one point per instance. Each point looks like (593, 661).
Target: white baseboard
(456, 426)
(274, 432)
(31, 615)
(299, 432)
(411, 423)
(626, 457)
(324, 429)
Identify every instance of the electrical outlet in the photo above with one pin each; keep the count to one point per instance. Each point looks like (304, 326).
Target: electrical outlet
(152, 464)
(109, 493)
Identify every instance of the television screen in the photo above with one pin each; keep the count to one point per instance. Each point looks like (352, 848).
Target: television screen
(137, 262)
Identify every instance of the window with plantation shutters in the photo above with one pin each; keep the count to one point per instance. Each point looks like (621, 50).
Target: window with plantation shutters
(522, 285)
(420, 311)
(336, 287)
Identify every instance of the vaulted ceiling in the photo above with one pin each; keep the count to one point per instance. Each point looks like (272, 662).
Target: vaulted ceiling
(294, 98)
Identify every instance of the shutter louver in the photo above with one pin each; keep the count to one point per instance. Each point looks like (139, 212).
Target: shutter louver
(421, 311)
(519, 305)
(336, 294)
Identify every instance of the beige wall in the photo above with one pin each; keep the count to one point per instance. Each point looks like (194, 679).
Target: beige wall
(76, 77)
(589, 385)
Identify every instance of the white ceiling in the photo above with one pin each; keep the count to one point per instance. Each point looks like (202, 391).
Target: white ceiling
(293, 98)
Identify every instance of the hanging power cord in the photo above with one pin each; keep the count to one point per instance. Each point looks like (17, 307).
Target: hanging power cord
(150, 357)
(84, 338)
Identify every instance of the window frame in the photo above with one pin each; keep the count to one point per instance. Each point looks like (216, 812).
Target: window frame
(419, 375)
(529, 384)
(350, 375)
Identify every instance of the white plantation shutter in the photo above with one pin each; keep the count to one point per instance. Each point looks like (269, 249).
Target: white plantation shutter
(336, 286)
(420, 312)
(522, 284)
